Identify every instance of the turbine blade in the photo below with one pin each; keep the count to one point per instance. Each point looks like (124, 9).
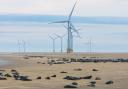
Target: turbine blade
(70, 15)
(75, 30)
(59, 22)
(73, 27)
(50, 37)
(58, 35)
(65, 27)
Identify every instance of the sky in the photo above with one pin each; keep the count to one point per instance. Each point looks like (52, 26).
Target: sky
(116, 8)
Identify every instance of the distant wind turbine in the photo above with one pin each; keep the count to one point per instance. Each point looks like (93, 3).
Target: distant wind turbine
(71, 28)
(90, 45)
(61, 39)
(21, 44)
(53, 39)
(18, 43)
(24, 46)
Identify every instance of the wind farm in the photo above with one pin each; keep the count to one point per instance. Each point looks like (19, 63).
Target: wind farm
(63, 44)
(70, 28)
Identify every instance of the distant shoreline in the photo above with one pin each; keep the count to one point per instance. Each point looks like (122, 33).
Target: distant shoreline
(76, 54)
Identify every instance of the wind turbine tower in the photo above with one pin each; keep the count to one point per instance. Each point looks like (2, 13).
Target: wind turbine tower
(24, 46)
(61, 38)
(19, 44)
(53, 40)
(71, 28)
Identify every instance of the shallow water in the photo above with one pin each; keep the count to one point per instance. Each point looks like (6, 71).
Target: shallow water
(3, 62)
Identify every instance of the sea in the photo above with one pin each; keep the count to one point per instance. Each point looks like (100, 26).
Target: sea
(35, 37)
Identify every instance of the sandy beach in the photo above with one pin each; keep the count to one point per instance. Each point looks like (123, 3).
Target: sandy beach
(37, 66)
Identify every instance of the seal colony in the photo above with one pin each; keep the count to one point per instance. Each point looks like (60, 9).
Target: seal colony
(37, 72)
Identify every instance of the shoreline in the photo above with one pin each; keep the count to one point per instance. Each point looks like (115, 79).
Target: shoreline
(15, 61)
(12, 62)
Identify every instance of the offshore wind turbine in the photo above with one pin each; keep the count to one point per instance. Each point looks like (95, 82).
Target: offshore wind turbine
(21, 44)
(89, 43)
(53, 40)
(18, 44)
(71, 28)
(24, 46)
(61, 39)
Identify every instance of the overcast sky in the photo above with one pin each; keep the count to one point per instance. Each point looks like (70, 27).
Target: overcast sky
(62, 7)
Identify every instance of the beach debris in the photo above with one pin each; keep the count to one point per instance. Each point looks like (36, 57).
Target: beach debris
(94, 70)
(63, 72)
(53, 76)
(70, 86)
(109, 82)
(39, 77)
(87, 77)
(78, 69)
(97, 78)
(72, 78)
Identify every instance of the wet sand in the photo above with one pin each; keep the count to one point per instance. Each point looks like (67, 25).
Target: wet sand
(117, 72)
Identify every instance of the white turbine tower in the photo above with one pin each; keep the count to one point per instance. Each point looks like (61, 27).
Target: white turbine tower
(19, 46)
(70, 28)
(53, 40)
(89, 43)
(24, 46)
(21, 43)
(61, 39)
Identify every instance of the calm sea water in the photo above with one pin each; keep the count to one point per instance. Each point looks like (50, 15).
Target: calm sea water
(104, 37)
